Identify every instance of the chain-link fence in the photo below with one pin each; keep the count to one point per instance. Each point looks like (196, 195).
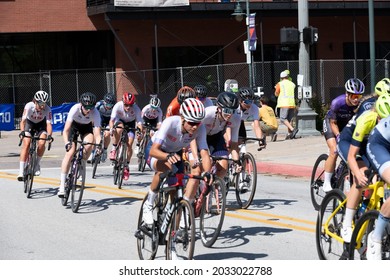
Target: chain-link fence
(327, 78)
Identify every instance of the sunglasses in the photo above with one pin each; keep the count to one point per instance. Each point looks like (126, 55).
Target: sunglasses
(247, 101)
(228, 111)
(193, 123)
(355, 96)
(89, 107)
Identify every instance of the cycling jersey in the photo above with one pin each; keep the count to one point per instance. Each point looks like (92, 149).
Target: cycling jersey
(340, 111)
(206, 101)
(173, 108)
(152, 114)
(119, 114)
(33, 115)
(378, 146)
(105, 113)
(75, 115)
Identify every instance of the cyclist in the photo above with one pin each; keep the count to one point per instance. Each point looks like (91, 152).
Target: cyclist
(352, 149)
(378, 152)
(164, 151)
(36, 118)
(84, 120)
(152, 113)
(201, 94)
(125, 114)
(249, 112)
(104, 107)
(340, 112)
(182, 94)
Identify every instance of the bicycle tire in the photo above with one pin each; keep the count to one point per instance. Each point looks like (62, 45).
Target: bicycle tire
(329, 248)
(364, 226)
(143, 153)
(147, 238)
(68, 187)
(317, 181)
(30, 175)
(121, 164)
(245, 195)
(182, 248)
(95, 164)
(78, 187)
(116, 164)
(26, 172)
(212, 214)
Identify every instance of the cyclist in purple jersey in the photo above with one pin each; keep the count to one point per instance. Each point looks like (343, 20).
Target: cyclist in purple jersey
(340, 112)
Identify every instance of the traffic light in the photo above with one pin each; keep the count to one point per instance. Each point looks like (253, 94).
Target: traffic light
(289, 36)
(310, 35)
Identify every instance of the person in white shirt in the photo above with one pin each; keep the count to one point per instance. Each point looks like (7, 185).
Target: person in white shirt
(36, 118)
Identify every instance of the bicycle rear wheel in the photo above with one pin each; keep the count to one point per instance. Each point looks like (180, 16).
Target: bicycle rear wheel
(358, 245)
(78, 186)
(317, 181)
(181, 233)
(213, 213)
(246, 181)
(330, 245)
(147, 237)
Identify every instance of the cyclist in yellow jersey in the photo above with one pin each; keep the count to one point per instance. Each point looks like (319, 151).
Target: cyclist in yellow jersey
(357, 131)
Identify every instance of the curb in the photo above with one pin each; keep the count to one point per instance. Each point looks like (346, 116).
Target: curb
(284, 169)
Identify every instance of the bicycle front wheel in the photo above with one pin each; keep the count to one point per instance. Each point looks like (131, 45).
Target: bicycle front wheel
(358, 245)
(147, 237)
(213, 212)
(181, 234)
(317, 181)
(29, 175)
(330, 244)
(68, 188)
(95, 163)
(121, 163)
(78, 185)
(246, 181)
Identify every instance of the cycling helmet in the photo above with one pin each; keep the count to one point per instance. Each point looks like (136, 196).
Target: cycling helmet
(88, 99)
(231, 85)
(382, 106)
(200, 91)
(184, 93)
(382, 87)
(227, 100)
(128, 98)
(246, 93)
(109, 99)
(354, 86)
(41, 96)
(192, 110)
(155, 102)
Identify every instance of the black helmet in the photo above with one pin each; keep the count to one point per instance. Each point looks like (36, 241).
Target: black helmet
(109, 99)
(88, 99)
(227, 100)
(246, 93)
(184, 93)
(200, 91)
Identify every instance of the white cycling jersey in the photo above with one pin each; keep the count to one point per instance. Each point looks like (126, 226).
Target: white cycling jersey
(76, 115)
(172, 139)
(150, 113)
(32, 114)
(251, 114)
(214, 125)
(119, 113)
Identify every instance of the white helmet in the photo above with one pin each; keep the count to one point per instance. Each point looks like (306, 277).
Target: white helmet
(192, 110)
(41, 96)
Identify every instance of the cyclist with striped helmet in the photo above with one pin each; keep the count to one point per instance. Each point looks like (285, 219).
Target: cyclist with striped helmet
(36, 118)
(164, 151)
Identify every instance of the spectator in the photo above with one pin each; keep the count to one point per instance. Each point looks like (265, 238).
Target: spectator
(268, 122)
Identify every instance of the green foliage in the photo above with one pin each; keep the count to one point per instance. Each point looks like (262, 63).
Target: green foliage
(320, 108)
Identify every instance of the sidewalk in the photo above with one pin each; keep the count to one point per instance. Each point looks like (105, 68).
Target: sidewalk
(294, 157)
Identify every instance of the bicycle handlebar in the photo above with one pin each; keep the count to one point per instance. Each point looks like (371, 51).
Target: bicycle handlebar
(37, 138)
(262, 144)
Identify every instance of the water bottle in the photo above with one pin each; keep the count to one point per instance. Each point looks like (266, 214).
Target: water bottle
(363, 207)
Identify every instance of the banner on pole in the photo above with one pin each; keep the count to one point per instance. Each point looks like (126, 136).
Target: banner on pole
(252, 32)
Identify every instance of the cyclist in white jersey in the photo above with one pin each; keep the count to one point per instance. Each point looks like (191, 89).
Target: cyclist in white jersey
(152, 113)
(83, 120)
(165, 149)
(125, 114)
(104, 107)
(36, 118)
(249, 112)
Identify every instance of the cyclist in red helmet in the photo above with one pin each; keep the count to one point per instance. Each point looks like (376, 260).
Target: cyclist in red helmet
(125, 114)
